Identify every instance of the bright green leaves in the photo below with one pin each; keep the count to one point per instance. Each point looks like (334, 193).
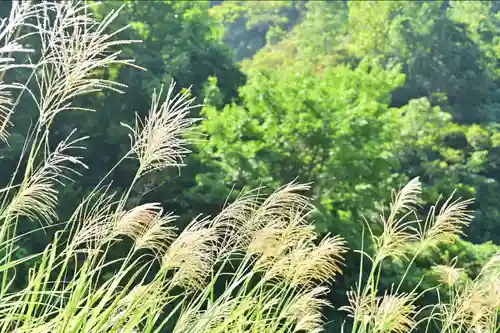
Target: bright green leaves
(314, 43)
(336, 131)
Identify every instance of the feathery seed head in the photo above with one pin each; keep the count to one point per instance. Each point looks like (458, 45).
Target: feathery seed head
(73, 47)
(305, 309)
(37, 196)
(229, 223)
(399, 232)
(265, 227)
(360, 307)
(94, 220)
(306, 263)
(448, 275)
(407, 199)
(147, 226)
(192, 254)
(135, 220)
(394, 313)
(492, 292)
(492, 267)
(211, 319)
(389, 313)
(321, 262)
(283, 233)
(6, 105)
(278, 205)
(394, 240)
(11, 34)
(159, 141)
(448, 224)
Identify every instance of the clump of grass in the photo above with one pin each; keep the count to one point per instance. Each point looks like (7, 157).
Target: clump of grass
(471, 307)
(264, 249)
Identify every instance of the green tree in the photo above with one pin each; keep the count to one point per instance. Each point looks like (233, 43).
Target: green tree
(249, 25)
(449, 56)
(438, 54)
(337, 131)
(315, 42)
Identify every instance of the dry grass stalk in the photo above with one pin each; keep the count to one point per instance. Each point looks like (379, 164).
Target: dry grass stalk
(158, 141)
(148, 227)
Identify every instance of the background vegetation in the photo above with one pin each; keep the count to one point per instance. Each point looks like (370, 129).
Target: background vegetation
(357, 97)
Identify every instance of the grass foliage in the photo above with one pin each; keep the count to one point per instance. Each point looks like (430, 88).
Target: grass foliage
(264, 249)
